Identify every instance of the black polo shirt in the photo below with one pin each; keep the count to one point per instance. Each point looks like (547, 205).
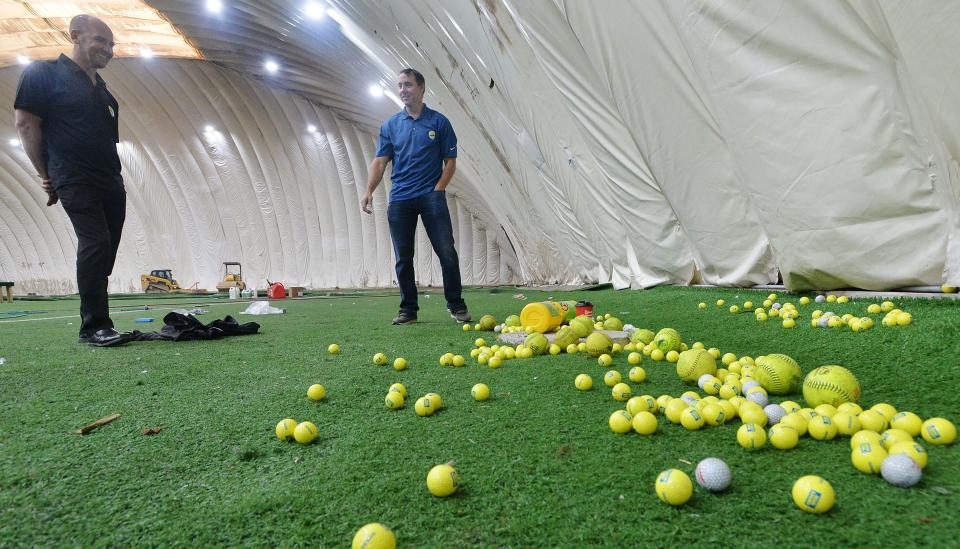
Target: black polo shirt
(80, 129)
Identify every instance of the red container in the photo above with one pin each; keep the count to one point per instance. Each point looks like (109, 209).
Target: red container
(277, 291)
(584, 308)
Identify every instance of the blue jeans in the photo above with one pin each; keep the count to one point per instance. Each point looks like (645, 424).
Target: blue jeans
(432, 210)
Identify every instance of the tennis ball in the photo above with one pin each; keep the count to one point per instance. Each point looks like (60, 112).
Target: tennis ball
(673, 487)
(316, 392)
(333, 349)
(479, 342)
(466, 328)
(526, 352)
(751, 435)
(907, 421)
(821, 428)
(620, 422)
(694, 363)
(713, 414)
(398, 388)
(621, 392)
(691, 419)
(305, 432)
(672, 356)
(804, 300)
(832, 385)
(637, 374)
(721, 303)
(734, 309)
(644, 423)
(872, 421)
(374, 536)
(634, 358)
(612, 377)
(393, 401)
(496, 362)
(916, 452)
(442, 480)
(457, 361)
(783, 437)
(285, 428)
(572, 349)
(425, 407)
(598, 343)
(702, 305)
(667, 340)
(399, 364)
(778, 374)
(480, 392)
(892, 436)
(867, 457)
(847, 423)
(605, 360)
(813, 494)
(583, 382)
(379, 359)
(887, 306)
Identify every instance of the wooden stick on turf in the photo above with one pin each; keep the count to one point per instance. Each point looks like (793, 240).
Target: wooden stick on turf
(99, 423)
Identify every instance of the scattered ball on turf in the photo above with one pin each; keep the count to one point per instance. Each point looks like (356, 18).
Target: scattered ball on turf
(674, 487)
(832, 385)
(916, 452)
(694, 363)
(479, 342)
(316, 392)
(721, 303)
(495, 362)
(778, 374)
(285, 428)
(621, 392)
(702, 305)
(938, 431)
(865, 436)
(713, 474)
(399, 364)
(620, 422)
(813, 494)
(760, 399)
(393, 401)
(751, 435)
(634, 358)
(907, 421)
(821, 428)
(847, 423)
(867, 456)
(892, 436)
(691, 419)
(554, 349)
(644, 423)
(583, 382)
(466, 327)
(774, 412)
(458, 361)
(612, 377)
(398, 388)
(637, 374)
(605, 360)
(783, 437)
(424, 406)
(442, 480)
(872, 421)
(379, 359)
(305, 432)
(333, 349)
(374, 536)
(900, 470)
(713, 414)
(480, 392)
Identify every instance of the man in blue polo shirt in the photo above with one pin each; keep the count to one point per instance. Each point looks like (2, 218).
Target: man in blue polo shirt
(423, 147)
(67, 122)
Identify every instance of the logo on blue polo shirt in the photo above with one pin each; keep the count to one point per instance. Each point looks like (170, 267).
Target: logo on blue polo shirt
(432, 135)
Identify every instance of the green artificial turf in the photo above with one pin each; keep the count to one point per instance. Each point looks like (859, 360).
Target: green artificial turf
(539, 465)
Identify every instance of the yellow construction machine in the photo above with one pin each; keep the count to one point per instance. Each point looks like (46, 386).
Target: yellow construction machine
(231, 279)
(159, 281)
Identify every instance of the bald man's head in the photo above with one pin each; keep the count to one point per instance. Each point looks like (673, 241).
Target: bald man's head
(92, 42)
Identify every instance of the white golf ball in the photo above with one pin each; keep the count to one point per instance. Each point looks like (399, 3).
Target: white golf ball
(774, 412)
(498, 328)
(775, 306)
(703, 379)
(713, 474)
(690, 399)
(748, 384)
(900, 470)
(820, 299)
(823, 321)
(829, 313)
(758, 398)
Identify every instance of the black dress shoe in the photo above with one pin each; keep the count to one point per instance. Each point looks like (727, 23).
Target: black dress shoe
(109, 337)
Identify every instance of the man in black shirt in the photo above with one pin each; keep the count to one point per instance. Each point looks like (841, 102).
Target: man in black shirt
(67, 121)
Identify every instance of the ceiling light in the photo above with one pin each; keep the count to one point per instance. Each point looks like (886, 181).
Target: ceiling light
(271, 66)
(23, 59)
(14, 142)
(311, 128)
(214, 6)
(376, 91)
(146, 53)
(208, 128)
(314, 10)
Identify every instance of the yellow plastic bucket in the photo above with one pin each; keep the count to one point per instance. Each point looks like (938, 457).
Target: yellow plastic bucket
(542, 316)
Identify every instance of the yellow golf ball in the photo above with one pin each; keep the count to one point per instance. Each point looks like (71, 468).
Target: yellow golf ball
(458, 361)
(637, 374)
(674, 408)
(424, 407)
(872, 421)
(691, 419)
(867, 456)
(644, 423)
(583, 382)
(612, 377)
(672, 357)
(305, 432)
(621, 392)
(605, 360)
(892, 436)
(442, 480)
(400, 364)
(673, 487)
(634, 358)
(847, 423)
(751, 435)
(783, 437)
(316, 392)
(865, 436)
(657, 355)
(907, 421)
(821, 428)
(813, 494)
(285, 428)
(393, 400)
(379, 359)
(620, 422)
(915, 451)
(480, 392)
(333, 349)
(713, 414)
(374, 536)
(398, 388)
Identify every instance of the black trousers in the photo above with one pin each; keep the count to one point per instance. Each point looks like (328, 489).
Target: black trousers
(97, 214)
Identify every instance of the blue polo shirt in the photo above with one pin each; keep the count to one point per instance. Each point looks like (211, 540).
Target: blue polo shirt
(417, 148)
